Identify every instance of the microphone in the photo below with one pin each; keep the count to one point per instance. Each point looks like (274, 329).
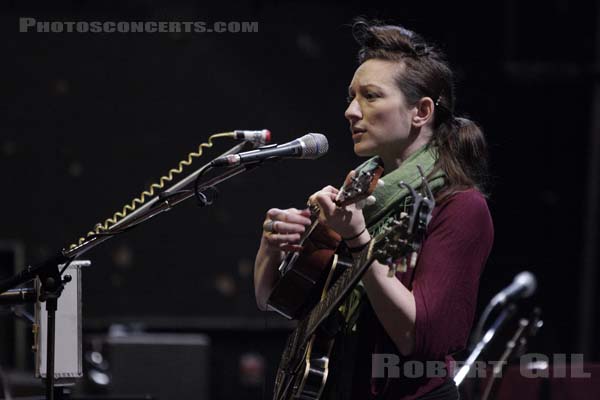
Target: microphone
(310, 146)
(18, 296)
(524, 285)
(259, 138)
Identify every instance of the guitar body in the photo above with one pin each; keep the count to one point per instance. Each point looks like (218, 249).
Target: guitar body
(303, 376)
(304, 365)
(304, 274)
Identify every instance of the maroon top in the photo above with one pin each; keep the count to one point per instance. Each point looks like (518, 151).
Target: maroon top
(445, 284)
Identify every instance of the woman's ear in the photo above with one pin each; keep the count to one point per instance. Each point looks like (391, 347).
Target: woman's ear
(423, 112)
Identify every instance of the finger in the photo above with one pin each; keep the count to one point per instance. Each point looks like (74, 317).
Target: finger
(325, 202)
(330, 189)
(361, 204)
(305, 212)
(286, 227)
(290, 215)
(273, 213)
(278, 239)
(294, 218)
(297, 210)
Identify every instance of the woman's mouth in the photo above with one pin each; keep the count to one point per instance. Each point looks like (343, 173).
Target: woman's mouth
(357, 133)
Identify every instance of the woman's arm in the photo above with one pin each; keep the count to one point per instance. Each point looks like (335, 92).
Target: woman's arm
(265, 272)
(392, 302)
(394, 306)
(284, 227)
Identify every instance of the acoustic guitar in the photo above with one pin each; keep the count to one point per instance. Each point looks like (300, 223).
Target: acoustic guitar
(305, 267)
(304, 365)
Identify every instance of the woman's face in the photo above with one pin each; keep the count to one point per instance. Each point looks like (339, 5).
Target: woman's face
(380, 119)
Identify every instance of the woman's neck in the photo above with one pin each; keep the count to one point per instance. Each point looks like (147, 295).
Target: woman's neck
(396, 158)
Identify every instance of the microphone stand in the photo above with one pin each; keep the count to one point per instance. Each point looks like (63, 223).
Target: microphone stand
(505, 315)
(526, 328)
(48, 271)
(163, 202)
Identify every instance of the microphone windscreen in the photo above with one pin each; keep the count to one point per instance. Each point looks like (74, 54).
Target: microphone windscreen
(314, 145)
(527, 280)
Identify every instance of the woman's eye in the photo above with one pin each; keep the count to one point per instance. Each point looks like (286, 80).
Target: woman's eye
(370, 95)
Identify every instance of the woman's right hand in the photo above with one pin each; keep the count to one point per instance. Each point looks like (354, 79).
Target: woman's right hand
(284, 227)
(281, 228)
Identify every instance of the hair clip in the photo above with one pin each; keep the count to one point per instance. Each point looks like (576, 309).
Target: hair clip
(437, 102)
(420, 50)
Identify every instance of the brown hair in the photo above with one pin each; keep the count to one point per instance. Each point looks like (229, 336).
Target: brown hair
(461, 146)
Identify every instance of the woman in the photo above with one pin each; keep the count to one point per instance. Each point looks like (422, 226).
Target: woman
(401, 108)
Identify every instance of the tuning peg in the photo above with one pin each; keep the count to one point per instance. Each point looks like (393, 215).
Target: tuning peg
(403, 266)
(397, 265)
(380, 183)
(392, 270)
(413, 259)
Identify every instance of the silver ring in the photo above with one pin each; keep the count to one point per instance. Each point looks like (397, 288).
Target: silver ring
(269, 226)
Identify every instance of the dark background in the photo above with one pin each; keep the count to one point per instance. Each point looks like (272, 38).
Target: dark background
(88, 121)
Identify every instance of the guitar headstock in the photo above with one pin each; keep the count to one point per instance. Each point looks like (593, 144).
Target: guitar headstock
(399, 244)
(359, 186)
(393, 244)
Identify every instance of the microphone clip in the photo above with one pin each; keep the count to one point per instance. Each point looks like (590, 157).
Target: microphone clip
(207, 196)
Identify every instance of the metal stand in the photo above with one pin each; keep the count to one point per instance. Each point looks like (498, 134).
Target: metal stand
(49, 274)
(51, 306)
(52, 286)
(505, 315)
(518, 342)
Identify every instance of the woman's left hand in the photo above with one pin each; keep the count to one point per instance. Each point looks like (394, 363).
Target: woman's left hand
(348, 221)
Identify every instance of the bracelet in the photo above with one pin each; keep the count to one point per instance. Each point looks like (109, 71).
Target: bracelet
(358, 249)
(355, 236)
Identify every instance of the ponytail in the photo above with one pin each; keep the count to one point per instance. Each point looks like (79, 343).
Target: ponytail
(462, 155)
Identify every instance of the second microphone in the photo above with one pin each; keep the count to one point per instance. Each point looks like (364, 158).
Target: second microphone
(310, 146)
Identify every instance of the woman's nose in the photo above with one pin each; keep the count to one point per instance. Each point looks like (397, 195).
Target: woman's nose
(353, 113)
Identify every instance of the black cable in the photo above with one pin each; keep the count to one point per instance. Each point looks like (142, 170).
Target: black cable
(62, 271)
(163, 196)
(203, 200)
(112, 233)
(167, 195)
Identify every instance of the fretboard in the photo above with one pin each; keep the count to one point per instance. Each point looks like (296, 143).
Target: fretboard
(336, 293)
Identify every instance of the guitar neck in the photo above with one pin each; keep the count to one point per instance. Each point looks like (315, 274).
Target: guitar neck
(314, 219)
(336, 293)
